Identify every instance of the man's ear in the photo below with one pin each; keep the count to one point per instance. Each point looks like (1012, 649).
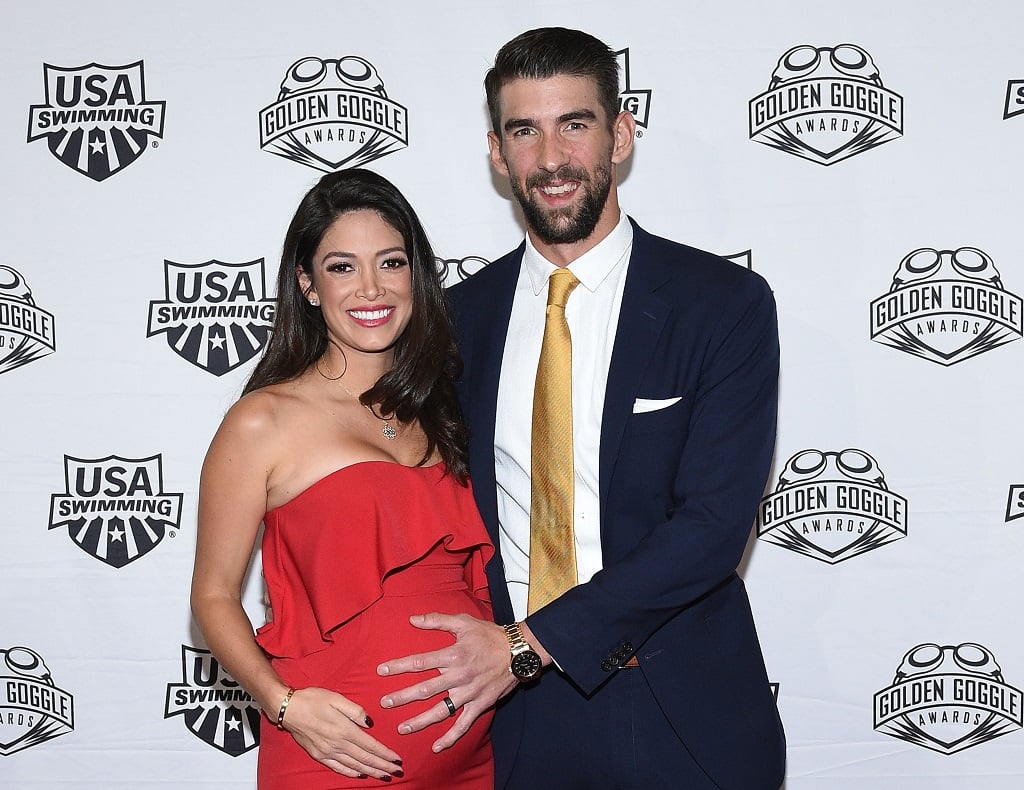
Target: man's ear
(497, 158)
(623, 132)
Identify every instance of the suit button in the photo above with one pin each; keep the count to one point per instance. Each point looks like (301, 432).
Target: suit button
(627, 648)
(606, 665)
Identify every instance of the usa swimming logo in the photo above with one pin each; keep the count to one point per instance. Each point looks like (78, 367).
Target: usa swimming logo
(26, 330)
(946, 306)
(832, 506)
(115, 509)
(33, 709)
(214, 315)
(331, 113)
(826, 104)
(213, 706)
(948, 698)
(637, 101)
(96, 119)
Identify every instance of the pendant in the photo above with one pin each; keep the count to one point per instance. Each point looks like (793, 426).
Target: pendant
(389, 431)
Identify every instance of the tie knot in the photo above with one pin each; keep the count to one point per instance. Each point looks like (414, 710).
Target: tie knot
(560, 284)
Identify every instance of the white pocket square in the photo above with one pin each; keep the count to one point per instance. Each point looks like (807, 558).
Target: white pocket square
(642, 405)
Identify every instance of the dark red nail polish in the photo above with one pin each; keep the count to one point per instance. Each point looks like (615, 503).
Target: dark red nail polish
(362, 776)
(369, 721)
(397, 762)
(399, 774)
(386, 778)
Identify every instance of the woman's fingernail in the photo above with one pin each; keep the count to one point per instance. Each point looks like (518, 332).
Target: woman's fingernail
(399, 774)
(369, 721)
(397, 762)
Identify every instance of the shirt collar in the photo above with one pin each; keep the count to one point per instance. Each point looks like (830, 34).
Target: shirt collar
(592, 267)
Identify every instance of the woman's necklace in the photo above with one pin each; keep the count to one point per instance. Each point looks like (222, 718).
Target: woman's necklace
(387, 429)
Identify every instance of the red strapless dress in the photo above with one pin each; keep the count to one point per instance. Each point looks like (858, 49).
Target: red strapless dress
(346, 562)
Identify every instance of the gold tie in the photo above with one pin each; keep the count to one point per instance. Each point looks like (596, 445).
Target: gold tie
(552, 545)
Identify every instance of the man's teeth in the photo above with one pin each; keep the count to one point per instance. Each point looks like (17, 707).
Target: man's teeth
(559, 190)
(369, 315)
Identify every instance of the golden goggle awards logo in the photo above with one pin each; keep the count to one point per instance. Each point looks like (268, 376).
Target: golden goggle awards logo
(832, 506)
(1015, 503)
(26, 331)
(213, 706)
(32, 708)
(946, 306)
(1014, 104)
(96, 119)
(331, 113)
(948, 698)
(826, 104)
(636, 100)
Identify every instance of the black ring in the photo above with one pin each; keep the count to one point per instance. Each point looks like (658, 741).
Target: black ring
(450, 705)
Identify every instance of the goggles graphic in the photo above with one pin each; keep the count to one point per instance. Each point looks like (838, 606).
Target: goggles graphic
(350, 71)
(804, 60)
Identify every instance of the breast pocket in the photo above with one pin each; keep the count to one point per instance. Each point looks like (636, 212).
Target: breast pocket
(659, 415)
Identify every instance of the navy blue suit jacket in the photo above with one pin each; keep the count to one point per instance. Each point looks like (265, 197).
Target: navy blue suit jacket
(679, 489)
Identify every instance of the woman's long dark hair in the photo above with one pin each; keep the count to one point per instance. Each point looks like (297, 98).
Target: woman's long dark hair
(419, 385)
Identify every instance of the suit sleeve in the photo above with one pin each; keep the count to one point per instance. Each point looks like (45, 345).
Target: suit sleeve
(695, 545)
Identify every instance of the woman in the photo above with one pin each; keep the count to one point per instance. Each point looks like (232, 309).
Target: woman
(347, 443)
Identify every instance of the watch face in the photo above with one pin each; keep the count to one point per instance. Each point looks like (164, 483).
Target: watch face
(525, 665)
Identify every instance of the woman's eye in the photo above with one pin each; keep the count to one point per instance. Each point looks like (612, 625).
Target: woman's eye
(394, 263)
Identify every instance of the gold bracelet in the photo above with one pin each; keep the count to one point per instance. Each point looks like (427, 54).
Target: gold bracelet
(284, 707)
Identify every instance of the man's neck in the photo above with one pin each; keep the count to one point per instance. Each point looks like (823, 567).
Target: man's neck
(564, 254)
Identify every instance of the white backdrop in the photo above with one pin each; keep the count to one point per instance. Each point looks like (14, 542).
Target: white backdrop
(872, 565)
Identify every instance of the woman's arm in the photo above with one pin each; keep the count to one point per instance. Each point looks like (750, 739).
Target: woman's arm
(232, 501)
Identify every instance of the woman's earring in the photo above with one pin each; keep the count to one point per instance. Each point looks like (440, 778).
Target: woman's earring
(314, 301)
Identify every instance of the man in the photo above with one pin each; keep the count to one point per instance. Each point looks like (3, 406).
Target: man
(652, 673)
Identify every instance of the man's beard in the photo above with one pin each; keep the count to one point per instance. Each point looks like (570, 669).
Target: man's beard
(573, 223)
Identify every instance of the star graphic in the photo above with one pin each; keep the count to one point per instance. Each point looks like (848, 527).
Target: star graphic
(217, 341)
(233, 724)
(97, 145)
(116, 532)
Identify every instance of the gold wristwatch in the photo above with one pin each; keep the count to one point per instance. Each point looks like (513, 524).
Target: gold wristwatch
(526, 664)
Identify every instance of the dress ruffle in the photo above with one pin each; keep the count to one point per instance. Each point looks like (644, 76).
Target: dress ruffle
(318, 569)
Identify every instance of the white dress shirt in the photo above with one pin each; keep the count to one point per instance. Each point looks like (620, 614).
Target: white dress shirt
(592, 313)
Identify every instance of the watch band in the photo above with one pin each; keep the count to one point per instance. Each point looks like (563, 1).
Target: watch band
(516, 642)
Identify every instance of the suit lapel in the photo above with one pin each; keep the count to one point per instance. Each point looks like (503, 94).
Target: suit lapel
(642, 317)
(483, 346)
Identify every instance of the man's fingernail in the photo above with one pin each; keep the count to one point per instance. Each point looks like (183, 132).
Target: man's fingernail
(387, 702)
(416, 618)
(383, 670)
(369, 721)
(404, 729)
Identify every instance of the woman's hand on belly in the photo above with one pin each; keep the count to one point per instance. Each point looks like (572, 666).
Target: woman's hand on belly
(333, 729)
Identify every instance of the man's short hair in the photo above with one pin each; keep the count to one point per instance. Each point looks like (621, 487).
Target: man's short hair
(551, 52)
